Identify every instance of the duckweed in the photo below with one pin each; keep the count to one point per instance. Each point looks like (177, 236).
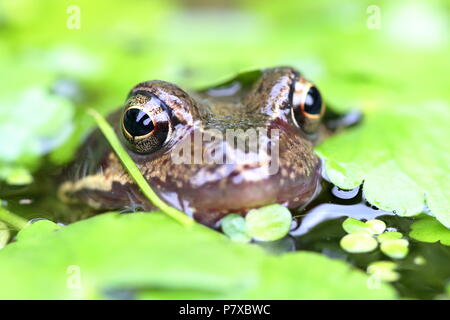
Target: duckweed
(233, 225)
(390, 235)
(384, 270)
(358, 242)
(268, 223)
(395, 248)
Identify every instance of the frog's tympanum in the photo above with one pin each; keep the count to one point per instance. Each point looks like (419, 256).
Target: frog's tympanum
(183, 144)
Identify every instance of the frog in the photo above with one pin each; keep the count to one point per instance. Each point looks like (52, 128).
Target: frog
(160, 119)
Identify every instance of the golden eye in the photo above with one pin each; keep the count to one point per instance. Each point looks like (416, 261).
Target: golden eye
(307, 106)
(137, 123)
(145, 125)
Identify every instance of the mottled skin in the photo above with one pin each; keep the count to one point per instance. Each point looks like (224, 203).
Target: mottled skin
(259, 99)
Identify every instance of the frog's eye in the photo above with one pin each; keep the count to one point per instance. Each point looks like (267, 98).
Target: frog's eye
(307, 106)
(313, 105)
(145, 126)
(137, 122)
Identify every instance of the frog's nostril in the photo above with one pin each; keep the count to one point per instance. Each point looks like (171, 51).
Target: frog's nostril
(137, 123)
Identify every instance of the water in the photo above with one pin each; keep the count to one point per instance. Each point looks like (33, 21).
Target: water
(320, 230)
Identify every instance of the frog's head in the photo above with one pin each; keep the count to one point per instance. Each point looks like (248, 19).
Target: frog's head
(230, 148)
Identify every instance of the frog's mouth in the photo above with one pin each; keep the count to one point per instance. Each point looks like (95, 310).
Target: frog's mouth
(204, 198)
(215, 199)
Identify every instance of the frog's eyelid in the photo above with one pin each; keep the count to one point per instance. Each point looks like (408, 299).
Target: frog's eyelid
(125, 130)
(175, 101)
(301, 89)
(306, 121)
(150, 95)
(155, 138)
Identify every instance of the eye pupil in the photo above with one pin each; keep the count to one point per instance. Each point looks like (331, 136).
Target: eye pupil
(137, 123)
(313, 101)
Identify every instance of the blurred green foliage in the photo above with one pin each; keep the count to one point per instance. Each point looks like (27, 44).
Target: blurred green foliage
(196, 43)
(397, 72)
(152, 256)
(427, 229)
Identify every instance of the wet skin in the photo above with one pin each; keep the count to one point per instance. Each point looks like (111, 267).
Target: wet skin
(158, 118)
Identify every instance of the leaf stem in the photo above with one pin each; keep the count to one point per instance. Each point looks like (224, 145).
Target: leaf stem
(12, 219)
(133, 170)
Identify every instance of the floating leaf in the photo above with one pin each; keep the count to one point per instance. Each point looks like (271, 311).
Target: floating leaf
(396, 249)
(233, 225)
(358, 242)
(376, 226)
(40, 229)
(351, 225)
(401, 155)
(426, 229)
(384, 270)
(308, 275)
(268, 223)
(150, 255)
(23, 139)
(373, 226)
(15, 175)
(112, 252)
(390, 235)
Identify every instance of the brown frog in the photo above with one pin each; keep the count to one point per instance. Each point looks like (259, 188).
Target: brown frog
(175, 139)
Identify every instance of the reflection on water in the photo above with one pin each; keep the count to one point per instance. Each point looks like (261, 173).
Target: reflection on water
(328, 211)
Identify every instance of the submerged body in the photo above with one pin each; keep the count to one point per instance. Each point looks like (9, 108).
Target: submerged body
(197, 150)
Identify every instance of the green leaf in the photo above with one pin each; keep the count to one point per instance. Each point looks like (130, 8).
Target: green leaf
(358, 242)
(268, 223)
(400, 154)
(395, 248)
(390, 235)
(15, 175)
(115, 252)
(308, 275)
(351, 225)
(376, 226)
(385, 270)
(373, 226)
(233, 225)
(23, 139)
(40, 229)
(149, 255)
(426, 229)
